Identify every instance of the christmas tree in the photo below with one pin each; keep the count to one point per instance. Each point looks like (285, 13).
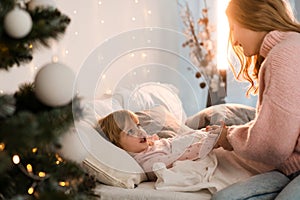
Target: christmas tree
(30, 129)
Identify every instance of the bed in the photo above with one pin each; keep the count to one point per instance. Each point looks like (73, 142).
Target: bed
(120, 177)
(167, 98)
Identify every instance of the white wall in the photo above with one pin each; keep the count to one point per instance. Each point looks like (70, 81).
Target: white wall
(95, 23)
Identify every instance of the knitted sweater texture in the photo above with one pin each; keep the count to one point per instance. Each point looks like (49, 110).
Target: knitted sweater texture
(273, 136)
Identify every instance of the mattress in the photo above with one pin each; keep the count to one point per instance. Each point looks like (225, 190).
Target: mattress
(146, 190)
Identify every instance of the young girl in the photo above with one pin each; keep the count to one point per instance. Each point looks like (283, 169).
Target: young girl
(122, 129)
(265, 38)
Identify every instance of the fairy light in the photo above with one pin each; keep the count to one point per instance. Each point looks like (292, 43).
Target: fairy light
(59, 159)
(132, 55)
(99, 2)
(29, 168)
(108, 91)
(55, 59)
(144, 55)
(34, 150)
(63, 183)
(16, 159)
(133, 19)
(42, 174)
(149, 12)
(30, 190)
(2, 145)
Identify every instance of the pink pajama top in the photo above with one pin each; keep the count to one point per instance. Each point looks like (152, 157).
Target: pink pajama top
(167, 151)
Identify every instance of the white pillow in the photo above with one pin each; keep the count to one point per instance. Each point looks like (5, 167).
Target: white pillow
(108, 163)
(151, 94)
(93, 110)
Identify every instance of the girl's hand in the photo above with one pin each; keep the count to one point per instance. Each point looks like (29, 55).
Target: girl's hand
(152, 138)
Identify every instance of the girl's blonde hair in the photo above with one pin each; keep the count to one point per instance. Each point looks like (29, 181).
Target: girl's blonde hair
(257, 15)
(114, 123)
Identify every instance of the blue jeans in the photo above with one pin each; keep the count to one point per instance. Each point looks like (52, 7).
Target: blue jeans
(267, 186)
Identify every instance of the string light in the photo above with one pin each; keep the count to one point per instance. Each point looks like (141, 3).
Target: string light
(63, 183)
(99, 2)
(133, 19)
(42, 174)
(34, 150)
(29, 168)
(55, 59)
(108, 91)
(149, 12)
(144, 55)
(31, 190)
(2, 145)
(59, 159)
(16, 159)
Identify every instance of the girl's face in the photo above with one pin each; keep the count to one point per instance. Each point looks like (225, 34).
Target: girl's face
(249, 40)
(133, 138)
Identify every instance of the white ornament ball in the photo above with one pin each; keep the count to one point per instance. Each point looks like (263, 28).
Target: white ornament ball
(33, 4)
(17, 23)
(54, 84)
(73, 146)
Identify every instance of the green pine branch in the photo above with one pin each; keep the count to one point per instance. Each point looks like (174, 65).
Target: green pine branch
(27, 124)
(48, 23)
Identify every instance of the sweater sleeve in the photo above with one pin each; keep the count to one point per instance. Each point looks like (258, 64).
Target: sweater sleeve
(272, 136)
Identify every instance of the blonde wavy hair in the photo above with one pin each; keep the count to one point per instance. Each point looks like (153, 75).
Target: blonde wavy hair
(114, 123)
(257, 15)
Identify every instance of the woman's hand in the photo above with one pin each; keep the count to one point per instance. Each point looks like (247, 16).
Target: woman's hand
(222, 141)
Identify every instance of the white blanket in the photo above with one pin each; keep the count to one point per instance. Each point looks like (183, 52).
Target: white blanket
(187, 175)
(206, 173)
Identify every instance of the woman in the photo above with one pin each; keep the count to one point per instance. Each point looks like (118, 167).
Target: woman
(265, 38)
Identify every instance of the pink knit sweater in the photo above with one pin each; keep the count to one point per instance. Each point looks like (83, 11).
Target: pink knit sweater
(273, 136)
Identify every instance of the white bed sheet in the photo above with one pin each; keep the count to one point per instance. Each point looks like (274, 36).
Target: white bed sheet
(229, 164)
(146, 190)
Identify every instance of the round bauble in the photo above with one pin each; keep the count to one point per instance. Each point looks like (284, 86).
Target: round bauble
(54, 84)
(17, 23)
(33, 4)
(72, 147)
